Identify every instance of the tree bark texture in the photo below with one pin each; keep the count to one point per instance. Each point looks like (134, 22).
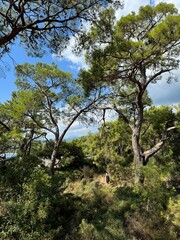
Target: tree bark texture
(138, 156)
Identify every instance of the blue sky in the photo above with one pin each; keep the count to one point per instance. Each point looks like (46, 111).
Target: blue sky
(161, 93)
(19, 56)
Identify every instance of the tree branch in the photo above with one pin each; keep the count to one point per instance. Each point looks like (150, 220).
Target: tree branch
(5, 126)
(149, 153)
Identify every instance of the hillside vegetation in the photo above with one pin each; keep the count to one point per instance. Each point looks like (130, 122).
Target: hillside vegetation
(121, 183)
(77, 203)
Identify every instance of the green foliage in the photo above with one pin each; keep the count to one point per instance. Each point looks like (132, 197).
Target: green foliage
(120, 169)
(76, 202)
(140, 49)
(18, 128)
(41, 25)
(70, 154)
(26, 215)
(40, 211)
(73, 156)
(154, 188)
(173, 210)
(46, 80)
(110, 150)
(113, 230)
(18, 171)
(87, 231)
(87, 172)
(59, 99)
(160, 118)
(66, 206)
(101, 221)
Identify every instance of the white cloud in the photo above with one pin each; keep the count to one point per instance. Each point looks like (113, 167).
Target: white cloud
(163, 93)
(175, 2)
(81, 131)
(69, 55)
(134, 6)
(76, 130)
(130, 6)
(77, 62)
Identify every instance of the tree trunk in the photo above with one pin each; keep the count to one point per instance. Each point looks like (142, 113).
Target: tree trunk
(141, 157)
(59, 139)
(138, 156)
(53, 157)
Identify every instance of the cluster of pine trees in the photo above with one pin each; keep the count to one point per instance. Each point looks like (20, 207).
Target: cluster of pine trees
(52, 189)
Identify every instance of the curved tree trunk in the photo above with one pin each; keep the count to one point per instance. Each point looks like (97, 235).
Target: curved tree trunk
(53, 157)
(59, 138)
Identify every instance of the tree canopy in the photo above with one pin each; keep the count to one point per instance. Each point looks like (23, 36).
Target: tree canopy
(56, 189)
(58, 100)
(137, 51)
(42, 24)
